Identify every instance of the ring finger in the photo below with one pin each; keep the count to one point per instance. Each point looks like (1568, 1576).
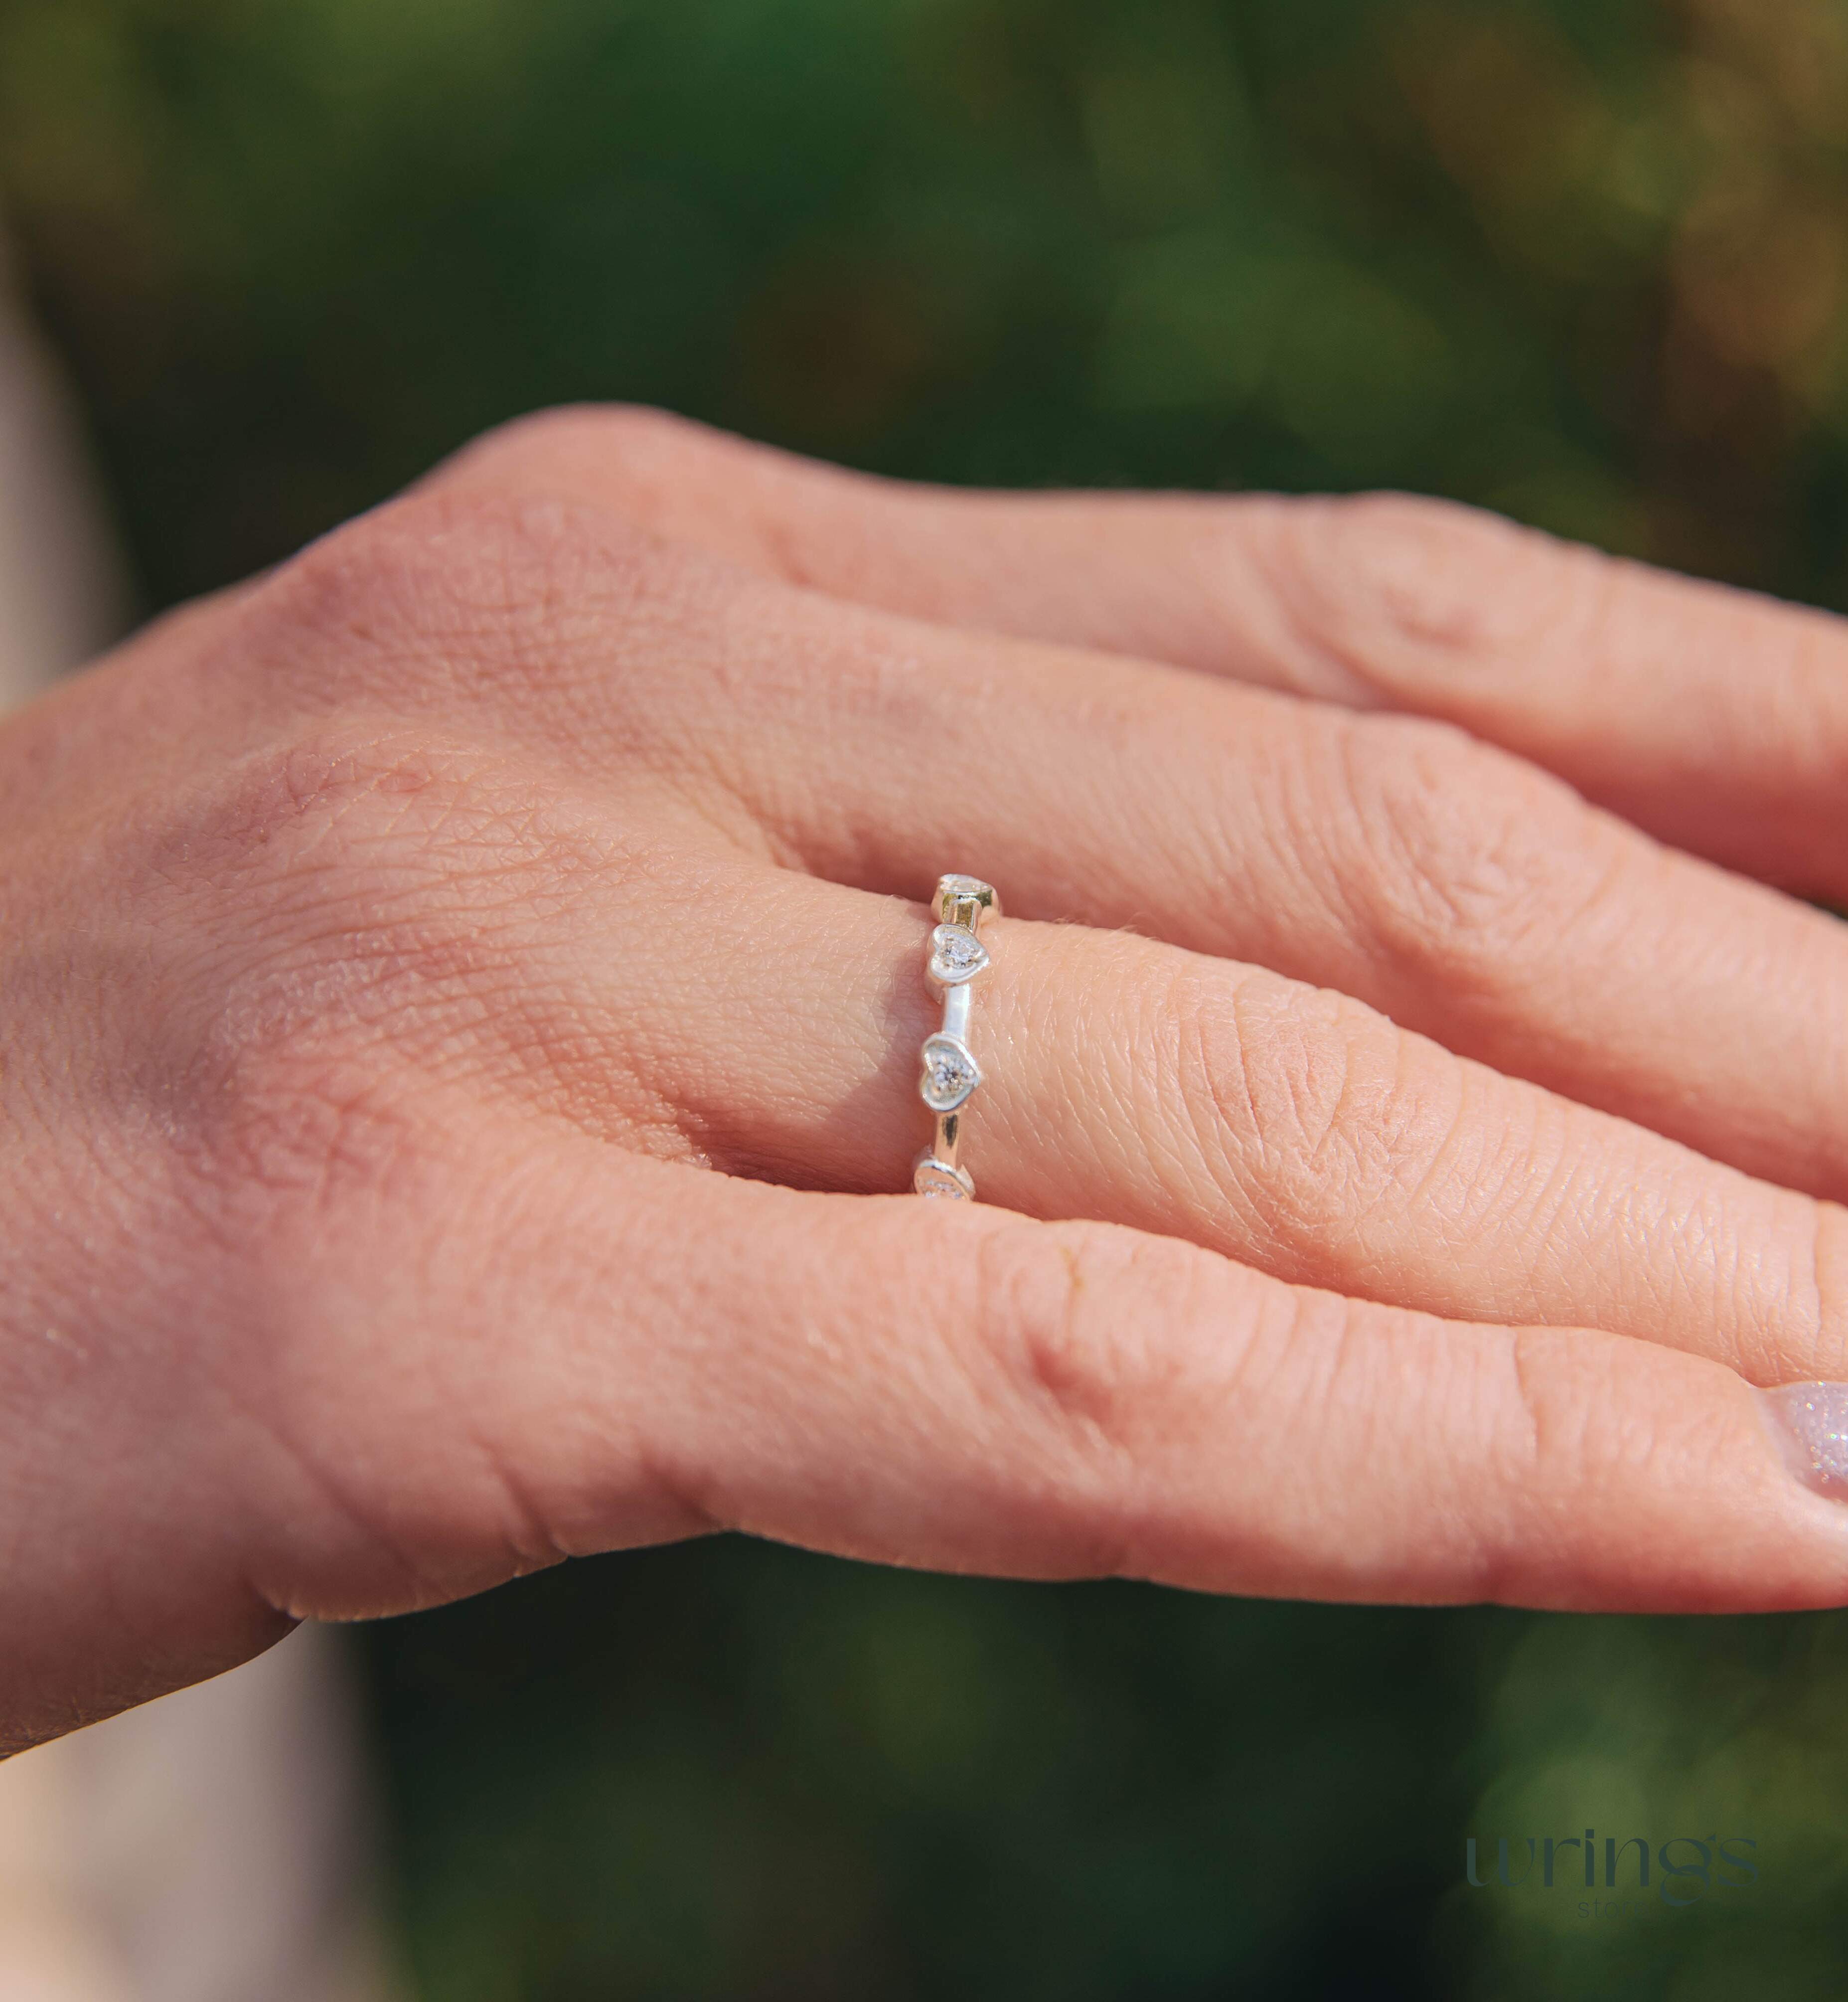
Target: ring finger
(1132, 1082)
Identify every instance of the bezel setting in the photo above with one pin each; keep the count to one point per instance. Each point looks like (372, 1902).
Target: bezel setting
(956, 954)
(930, 1177)
(951, 1072)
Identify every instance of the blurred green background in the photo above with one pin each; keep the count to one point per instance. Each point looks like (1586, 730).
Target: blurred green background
(1582, 262)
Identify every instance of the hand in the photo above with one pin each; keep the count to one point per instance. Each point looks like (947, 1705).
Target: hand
(463, 998)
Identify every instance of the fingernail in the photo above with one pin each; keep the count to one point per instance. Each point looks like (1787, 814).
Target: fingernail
(1810, 1421)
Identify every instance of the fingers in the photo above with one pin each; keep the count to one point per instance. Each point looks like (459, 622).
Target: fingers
(1715, 719)
(647, 981)
(1459, 890)
(1454, 889)
(1290, 1129)
(589, 1351)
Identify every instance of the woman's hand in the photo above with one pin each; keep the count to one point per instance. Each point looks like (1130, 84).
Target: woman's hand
(462, 999)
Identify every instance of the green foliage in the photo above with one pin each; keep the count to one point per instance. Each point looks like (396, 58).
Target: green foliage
(731, 1771)
(1583, 260)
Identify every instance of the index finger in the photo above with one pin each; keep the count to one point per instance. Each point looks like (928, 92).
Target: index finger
(1714, 718)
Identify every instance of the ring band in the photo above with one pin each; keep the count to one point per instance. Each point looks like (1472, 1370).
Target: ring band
(957, 956)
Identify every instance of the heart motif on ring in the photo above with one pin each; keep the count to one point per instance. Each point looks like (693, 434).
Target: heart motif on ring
(933, 1177)
(950, 1073)
(956, 954)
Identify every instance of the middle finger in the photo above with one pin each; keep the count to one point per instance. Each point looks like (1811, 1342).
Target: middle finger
(1450, 885)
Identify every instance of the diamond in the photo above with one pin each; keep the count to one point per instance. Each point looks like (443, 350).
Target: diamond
(950, 1073)
(963, 885)
(931, 1177)
(956, 954)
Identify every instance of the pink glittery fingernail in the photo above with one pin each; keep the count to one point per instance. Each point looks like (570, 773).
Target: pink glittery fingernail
(1810, 1422)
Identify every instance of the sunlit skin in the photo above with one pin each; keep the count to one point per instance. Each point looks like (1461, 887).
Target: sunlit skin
(462, 1001)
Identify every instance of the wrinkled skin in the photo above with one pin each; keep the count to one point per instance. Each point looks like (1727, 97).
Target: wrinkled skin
(462, 1001)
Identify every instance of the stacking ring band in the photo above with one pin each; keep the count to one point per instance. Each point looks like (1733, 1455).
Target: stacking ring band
(958, 957)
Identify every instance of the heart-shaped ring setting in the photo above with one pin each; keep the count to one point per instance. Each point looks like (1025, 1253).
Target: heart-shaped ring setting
(931, 1177)
(951, 1072)
(962, 906)
(956, 955)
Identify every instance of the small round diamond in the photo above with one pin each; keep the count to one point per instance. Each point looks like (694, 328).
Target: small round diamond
(950, 1073)
(955, 954)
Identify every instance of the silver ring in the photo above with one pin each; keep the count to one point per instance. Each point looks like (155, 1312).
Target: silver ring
(958, 957)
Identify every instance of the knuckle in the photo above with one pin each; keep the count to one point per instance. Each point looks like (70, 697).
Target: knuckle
(365, 593)
(1463, 864)
(1300, 1104)
(744, 505)
(347, 913)
(624, 440)
(1071, 1320)
(298, 823)
(459, 591)
(1393, 587)
(275, 1143)
(665, 474)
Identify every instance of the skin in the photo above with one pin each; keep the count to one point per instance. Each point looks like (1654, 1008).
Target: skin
(462, 1001)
